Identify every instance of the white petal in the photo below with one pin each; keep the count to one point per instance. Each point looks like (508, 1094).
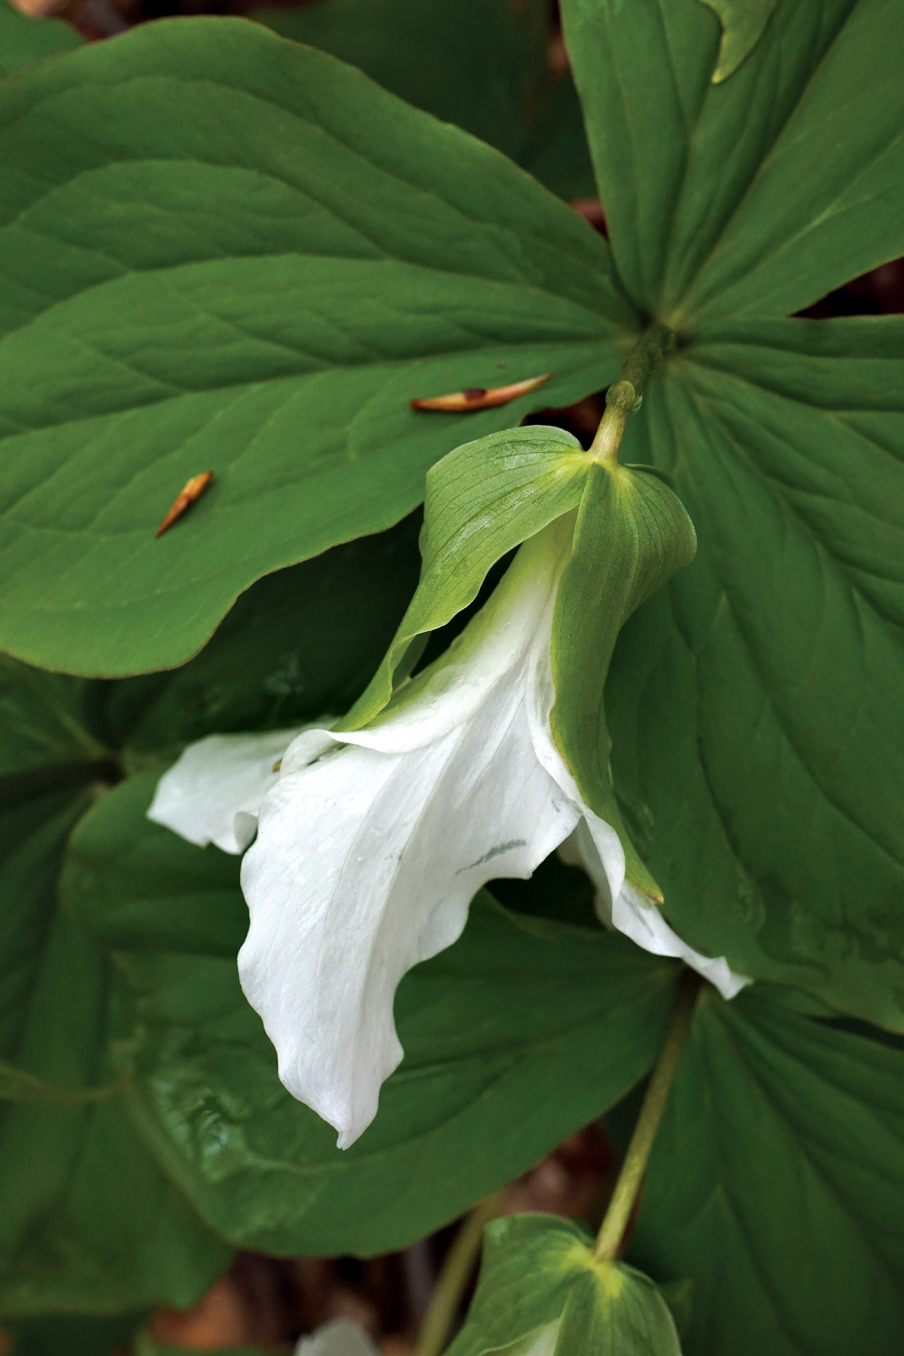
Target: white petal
(364, 864)
(341, 1337)
(630, 914)
(213, 792)
(507, 628)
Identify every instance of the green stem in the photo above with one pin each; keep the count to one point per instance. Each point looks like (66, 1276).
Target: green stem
(613, 1227)
(455, 1275)
(622, 398)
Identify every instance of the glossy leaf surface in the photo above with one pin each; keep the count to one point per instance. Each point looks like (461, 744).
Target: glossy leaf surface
(293, 256)
(516, 1036)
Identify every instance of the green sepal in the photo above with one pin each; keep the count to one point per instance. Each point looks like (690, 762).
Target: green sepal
(483, 499)
(632, 534)
(542, 1293)
(743, 22)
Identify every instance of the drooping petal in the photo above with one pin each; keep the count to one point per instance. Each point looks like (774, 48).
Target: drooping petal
(368, 856)
(591, 844)
(213, 792)
(341, 1337)
(364, 864)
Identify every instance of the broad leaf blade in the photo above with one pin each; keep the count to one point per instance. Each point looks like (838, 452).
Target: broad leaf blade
(757, 195)
(294, 256)
(776, 1185)
(480, 64)
(760, 733)
(517, 1035)
(87, 1221)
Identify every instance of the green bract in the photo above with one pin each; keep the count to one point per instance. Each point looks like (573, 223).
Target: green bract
(631, 535)
(482, 500)
(541, 1293)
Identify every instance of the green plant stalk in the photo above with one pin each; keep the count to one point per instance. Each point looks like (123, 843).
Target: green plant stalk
(455, 1275)
(613, 1226)
(623, 396)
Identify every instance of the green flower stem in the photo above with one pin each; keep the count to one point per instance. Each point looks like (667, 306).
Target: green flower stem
(455, 1275)
(629, 1179)
(622, 397)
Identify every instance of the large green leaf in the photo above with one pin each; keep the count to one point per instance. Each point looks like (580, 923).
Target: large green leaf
(478, 63)
(759, 727)
(777, 1186)
(517, 1035)
(481, 64)
(87, 1221)
(241, 255)
(24, 39)
(759, 194)
(299, 644)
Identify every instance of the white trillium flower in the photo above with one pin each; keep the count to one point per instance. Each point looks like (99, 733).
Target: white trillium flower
(371, 843)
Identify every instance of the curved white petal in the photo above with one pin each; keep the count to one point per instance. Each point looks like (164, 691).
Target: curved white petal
(341, 1337)
(213, 792)
(509, 627)
(364, 864)
(630, 914)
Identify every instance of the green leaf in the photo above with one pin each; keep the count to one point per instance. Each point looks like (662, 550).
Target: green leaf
(632, 534)
(742, 23)
(87, 1222)
(757, 195)
(516, 1036)
(760, 732)
(776, 1185)
(292, 256)
(24, 39)
(94, 1336)
(557, 153)
(480, 64)
(482, 500)
(541, 1293)
(299, 644)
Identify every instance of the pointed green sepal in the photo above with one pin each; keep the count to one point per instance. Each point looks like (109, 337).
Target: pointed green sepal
(482, 500)
(632, 534)
(542, 1293)
(743, 23)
